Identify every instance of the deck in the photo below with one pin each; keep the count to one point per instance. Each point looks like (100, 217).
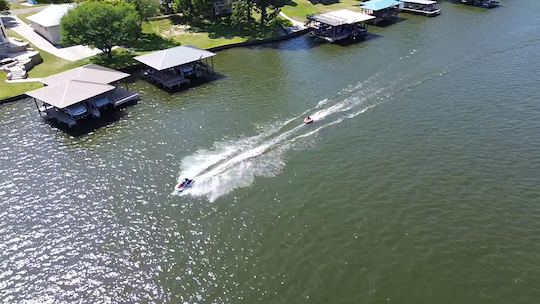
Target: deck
(121, 96)
(167, 79)
(422, 12)
(420, 7)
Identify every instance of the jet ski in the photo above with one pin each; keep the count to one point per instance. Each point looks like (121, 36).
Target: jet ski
(308, 120)
(184, 184)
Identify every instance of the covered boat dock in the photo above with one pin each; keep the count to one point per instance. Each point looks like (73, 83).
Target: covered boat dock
(482, 3)
(176, 66)
(338, 25)
(420, 7)
(384, 11)
(86, 91)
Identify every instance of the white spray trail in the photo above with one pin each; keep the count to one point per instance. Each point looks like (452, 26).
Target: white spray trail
(237, 163)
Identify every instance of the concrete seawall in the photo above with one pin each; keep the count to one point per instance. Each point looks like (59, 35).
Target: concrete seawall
(136, 67)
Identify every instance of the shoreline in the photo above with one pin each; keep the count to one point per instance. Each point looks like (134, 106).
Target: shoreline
(136, 67)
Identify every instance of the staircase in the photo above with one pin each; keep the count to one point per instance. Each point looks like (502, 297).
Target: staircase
(16, 72)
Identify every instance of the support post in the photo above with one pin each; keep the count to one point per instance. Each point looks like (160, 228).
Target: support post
(39, 111)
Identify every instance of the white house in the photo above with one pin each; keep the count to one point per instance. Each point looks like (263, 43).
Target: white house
(47, 22)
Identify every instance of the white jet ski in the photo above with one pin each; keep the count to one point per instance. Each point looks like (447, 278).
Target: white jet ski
(185, 184)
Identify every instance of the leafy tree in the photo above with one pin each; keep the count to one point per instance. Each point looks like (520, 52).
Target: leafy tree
(101, 25)
(4, 6)
(183, 6)
(202, 7)
(263, 6)
(241, 13)
(145, 8)
(193, 8)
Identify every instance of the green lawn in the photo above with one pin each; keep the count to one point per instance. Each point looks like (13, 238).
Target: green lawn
(24, 17)
(51, 65)
(157, 35)
(204, 34)
(18, 5)
(299, 9)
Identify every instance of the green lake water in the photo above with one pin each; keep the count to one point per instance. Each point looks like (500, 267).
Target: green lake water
(419, 181)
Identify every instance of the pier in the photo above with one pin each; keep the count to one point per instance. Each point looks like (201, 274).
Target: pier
(177, 66)
(420, 7)
(338, 25)
(83, 92)
(384, 11)
(482, 3)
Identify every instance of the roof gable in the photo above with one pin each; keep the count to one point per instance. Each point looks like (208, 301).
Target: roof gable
(51, 15)
(69, 93)
(176, 56)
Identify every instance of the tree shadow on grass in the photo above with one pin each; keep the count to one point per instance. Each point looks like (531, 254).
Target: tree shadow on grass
(222, 28)
(151, 42)
(124, 58)
(324, 2)
(121, 59)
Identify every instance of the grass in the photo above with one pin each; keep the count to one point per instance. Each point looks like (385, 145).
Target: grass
(24, 17)
(299, 9)
(18, 5)
(51, 65)
(206, 34)
(157, 35)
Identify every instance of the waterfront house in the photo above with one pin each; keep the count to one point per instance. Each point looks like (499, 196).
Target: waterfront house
(384, 11)
(223, 7)
(482, 3)
(338, 25)
(420, 7)
(82, 92)
(47, 22)
(177, 66)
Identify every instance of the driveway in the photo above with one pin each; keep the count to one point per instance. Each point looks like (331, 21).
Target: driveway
(72, 53)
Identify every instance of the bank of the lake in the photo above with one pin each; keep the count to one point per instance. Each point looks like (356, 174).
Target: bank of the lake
(418, 183)
(157, 34)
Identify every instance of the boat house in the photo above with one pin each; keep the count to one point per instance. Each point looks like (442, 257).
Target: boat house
(420, 7)
(47, 22)
(384, 11)
(482, 3)
(82, 92)
(338, 25)
(177, 66)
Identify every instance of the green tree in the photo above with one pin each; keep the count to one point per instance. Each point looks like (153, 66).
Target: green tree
(101, 25)
(263, 6)
(241, 13)
(4, 6)
(145, 8)
(183, 6)
(193, 8)
(202, 7)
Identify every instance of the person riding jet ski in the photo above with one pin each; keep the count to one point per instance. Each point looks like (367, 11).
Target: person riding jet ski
(186, 183)
(308, 120)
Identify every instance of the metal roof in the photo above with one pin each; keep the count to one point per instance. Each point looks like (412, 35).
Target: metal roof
(173, 57)
(51, 15)
(426, 2)
(88, 73)
(65, 94)
(377, 5)
(340, 17)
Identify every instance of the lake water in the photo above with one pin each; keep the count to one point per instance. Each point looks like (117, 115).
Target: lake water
(419, 181)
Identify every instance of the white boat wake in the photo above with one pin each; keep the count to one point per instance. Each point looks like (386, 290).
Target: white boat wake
(236, 163)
